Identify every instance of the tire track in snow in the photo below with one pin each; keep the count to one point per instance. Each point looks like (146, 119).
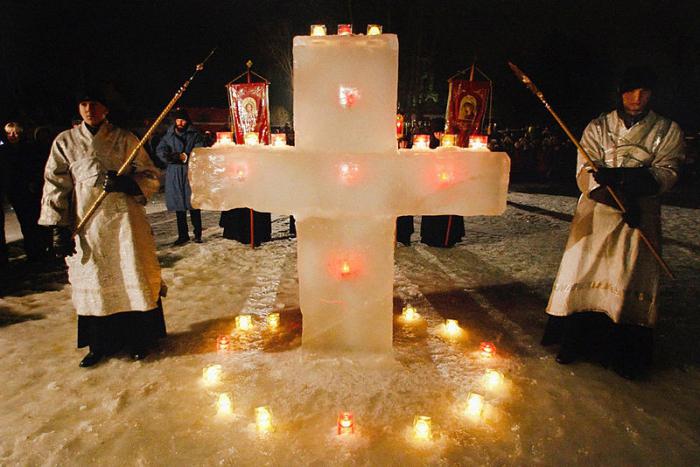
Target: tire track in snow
(469, 286)
(263, 295)
(461, 370)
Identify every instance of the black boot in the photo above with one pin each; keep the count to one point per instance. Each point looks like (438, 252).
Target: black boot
(91, 359)
(196, 218)
(182, 235)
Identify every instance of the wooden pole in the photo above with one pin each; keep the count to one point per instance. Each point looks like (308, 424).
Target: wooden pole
(531, 86)
(248, 65)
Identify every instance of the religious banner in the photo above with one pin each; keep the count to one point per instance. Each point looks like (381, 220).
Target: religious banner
(250, 111)
(466, 108)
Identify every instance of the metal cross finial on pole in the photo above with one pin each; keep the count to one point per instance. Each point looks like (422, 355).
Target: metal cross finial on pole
(531, 86)
(127, 162)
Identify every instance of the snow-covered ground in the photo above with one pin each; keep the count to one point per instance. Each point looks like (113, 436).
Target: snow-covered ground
(496, 282)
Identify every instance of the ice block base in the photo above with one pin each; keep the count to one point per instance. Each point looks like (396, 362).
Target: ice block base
(346, 272)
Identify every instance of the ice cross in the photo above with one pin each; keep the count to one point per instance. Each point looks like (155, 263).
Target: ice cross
(346, 182)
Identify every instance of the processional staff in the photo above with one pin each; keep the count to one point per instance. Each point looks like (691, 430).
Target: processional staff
(124, 167)
(531, 86)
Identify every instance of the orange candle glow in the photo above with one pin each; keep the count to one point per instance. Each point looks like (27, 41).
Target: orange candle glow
(318, 30)
(273, 321)
(263, 419)
(345, 268)
(421, 142)
(279, 139)
(244, 322)
(474, 406)
(444, 176)
(422, 427)
(409, 313)
(452, 327)
(224, 137)
(251, 138)
(493, 379)
(224, 405)
(223, 343)
(374, 29)
(447, 141)
(346, 423)
(479, 143)
(211, 374)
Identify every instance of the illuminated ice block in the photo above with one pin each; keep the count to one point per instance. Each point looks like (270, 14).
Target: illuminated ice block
(345, 93)
(345, 182)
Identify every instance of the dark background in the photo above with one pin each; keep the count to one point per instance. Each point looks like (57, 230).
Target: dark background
(144, 50)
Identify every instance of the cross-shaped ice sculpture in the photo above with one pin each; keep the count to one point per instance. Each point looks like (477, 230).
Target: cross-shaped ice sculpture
(346, 182)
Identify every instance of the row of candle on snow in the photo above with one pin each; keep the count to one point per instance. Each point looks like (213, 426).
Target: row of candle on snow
(420, 142)
(472, 408)
(450, 328)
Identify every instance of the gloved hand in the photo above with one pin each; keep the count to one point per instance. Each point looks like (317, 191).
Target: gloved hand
(632, 215)
(120, 183)
(606, 176)
(633, 181)
(63, 243)
(176, 157)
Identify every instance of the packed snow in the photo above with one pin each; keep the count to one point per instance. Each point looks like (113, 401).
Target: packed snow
(159, 411)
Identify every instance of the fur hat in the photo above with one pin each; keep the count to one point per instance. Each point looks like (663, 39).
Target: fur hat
(637, 77)
(92, 93)
(181, 114)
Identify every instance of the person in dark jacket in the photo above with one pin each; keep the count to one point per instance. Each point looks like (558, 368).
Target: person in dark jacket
(22, 182)
(174, 150)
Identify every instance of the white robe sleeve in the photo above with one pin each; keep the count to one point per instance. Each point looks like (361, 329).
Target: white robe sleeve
(57, 198)
(668, 159)
(589, 142)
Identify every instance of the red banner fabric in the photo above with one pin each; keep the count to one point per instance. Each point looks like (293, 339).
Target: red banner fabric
(250, 110)
(466, 106)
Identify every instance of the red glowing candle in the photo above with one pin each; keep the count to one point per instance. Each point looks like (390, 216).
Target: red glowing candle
(421, 141)
(478, 142)
(399, 125)
(487, 349)
(346, 424)
(348, 172)
(344, 268)
(223, 343)
(444, 177)
(345, 29)
(348, 96)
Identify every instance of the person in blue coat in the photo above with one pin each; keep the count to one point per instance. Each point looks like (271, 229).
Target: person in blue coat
(174, 150)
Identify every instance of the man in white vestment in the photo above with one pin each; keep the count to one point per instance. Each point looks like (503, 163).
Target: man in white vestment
(112, 265)
(605, 297)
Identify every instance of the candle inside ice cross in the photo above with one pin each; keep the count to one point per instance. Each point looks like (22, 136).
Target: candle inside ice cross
(346, 424)
(422, 427)
(345, 181)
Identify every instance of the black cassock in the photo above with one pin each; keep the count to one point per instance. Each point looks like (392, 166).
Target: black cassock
(434, 230)
(236, 224)
(404, 229)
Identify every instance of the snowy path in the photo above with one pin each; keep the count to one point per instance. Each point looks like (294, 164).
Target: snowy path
(496, 282)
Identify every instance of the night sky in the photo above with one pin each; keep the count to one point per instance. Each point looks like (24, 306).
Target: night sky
(144, 50)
